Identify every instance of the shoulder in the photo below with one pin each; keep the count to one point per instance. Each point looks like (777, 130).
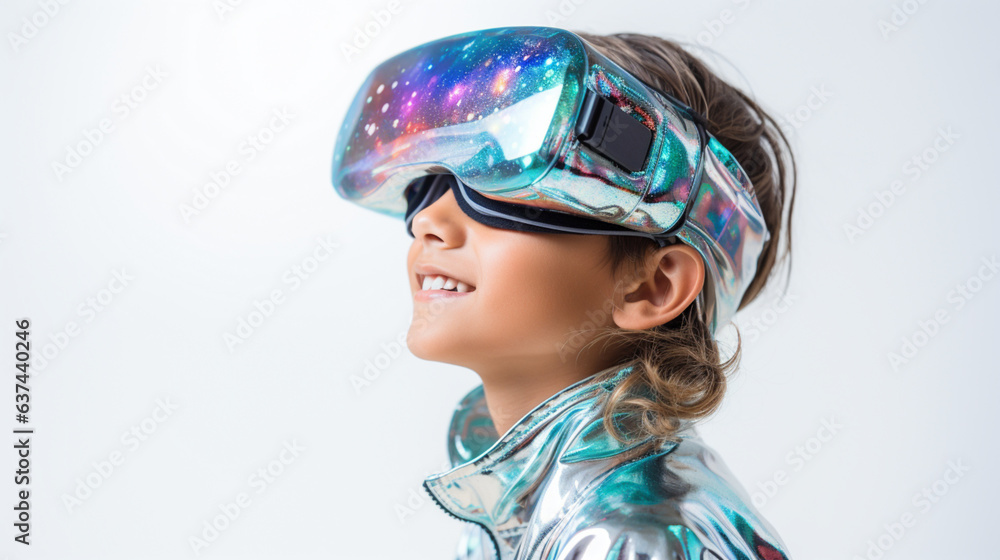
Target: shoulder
(634, 533)
(682, 504)
(629, 539)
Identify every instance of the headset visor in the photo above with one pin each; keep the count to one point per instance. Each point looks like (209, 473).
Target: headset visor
(492, 109)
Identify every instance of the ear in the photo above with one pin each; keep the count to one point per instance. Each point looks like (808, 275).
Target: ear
(669, 282)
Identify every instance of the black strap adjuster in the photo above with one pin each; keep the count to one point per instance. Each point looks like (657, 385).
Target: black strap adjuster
(613, 133)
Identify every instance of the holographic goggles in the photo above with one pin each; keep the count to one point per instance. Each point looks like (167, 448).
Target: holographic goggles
(541, 130)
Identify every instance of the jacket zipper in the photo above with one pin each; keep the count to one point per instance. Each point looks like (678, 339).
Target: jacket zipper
(496, 547)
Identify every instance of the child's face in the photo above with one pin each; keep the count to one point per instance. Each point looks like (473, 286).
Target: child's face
(530, 291)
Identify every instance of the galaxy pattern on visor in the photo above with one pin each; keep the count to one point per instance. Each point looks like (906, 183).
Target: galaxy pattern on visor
(488, 109)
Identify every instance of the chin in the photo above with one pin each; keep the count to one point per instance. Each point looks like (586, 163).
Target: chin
(430, 346)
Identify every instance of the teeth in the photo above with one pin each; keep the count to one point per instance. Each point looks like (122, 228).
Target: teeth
(438, 282)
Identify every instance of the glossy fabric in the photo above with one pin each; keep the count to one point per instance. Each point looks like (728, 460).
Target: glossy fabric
(498, 109)
(558, 486)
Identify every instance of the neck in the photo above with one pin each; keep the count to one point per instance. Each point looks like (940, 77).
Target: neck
(513, 390)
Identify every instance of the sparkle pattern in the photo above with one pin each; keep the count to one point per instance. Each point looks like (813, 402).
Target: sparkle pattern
(492, 108)
(726, 226)
(498, 108)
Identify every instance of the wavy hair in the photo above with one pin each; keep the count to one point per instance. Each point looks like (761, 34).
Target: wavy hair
(678, 373)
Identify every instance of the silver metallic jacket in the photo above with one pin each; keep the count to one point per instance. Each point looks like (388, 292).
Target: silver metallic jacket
(558, 486)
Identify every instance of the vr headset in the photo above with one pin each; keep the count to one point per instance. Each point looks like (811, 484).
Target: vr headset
(538, 131)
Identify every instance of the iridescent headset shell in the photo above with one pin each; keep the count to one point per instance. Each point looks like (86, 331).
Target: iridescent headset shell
(498, 108)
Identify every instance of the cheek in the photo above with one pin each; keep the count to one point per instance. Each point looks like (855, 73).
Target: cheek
(540, 287)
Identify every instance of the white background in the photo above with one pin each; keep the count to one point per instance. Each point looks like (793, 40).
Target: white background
(822, 355)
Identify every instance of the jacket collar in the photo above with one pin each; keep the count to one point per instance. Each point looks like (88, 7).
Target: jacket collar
(495, 481)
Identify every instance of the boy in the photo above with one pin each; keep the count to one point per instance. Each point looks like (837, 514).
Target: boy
(587, 213)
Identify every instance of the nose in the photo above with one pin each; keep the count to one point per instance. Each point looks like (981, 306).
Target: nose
(442, 221)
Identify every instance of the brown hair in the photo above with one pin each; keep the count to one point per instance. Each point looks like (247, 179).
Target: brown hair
(678, 374)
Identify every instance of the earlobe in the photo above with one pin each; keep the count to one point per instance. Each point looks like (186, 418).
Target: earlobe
(670, 282)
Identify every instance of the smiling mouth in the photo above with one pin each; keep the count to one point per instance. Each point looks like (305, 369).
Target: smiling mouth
(443, 283)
